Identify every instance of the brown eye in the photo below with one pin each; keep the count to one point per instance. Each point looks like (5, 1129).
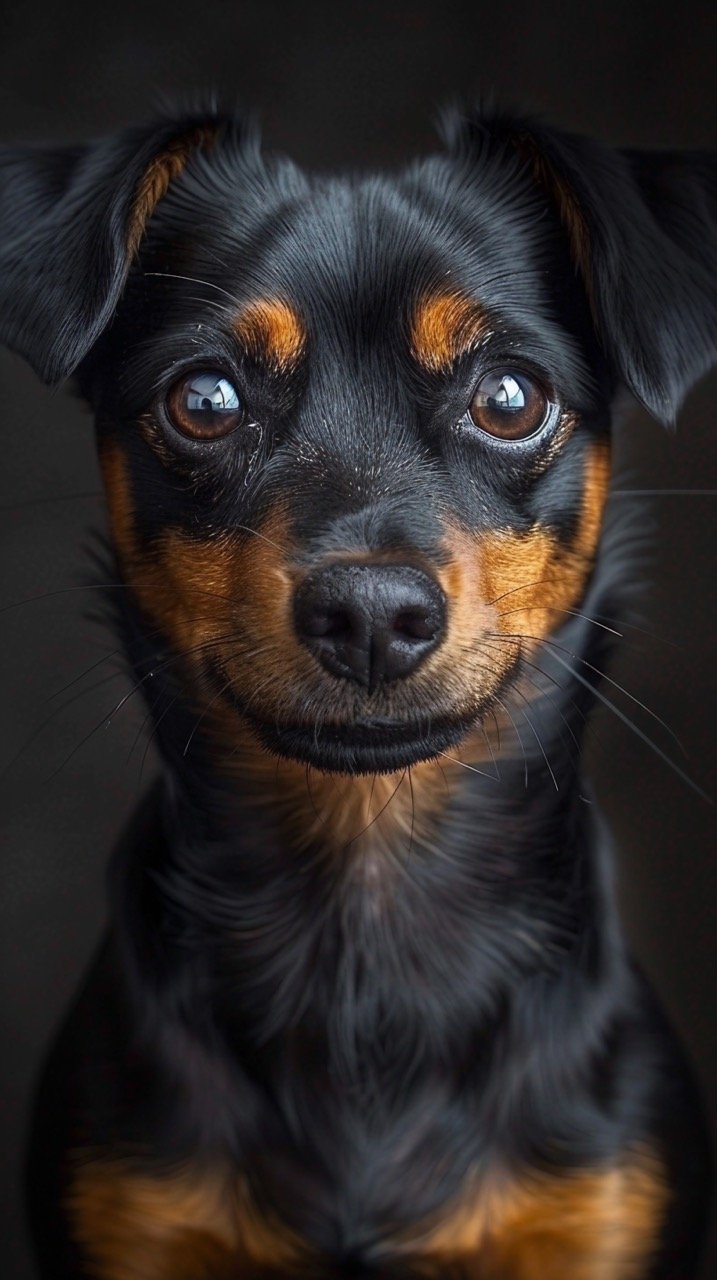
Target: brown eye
(205, 405)
(508, 404)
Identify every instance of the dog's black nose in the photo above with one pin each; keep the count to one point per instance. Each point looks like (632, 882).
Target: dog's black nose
(371, 623)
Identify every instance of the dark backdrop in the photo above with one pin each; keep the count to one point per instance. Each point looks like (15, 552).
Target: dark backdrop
(335, 85)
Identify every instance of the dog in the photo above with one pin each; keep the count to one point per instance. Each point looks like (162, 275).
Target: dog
(365, 1007)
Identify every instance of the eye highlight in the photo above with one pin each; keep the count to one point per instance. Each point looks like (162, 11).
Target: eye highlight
(509, 405)
(205, 405)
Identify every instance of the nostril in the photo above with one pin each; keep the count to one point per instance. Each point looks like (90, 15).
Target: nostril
(334, 623)
(415, 624)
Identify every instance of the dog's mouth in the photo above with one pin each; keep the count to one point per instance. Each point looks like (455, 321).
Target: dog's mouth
(369, 744)
(355, 739)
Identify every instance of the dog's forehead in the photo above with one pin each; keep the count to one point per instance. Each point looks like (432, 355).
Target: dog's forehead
(394, 274)
(358, 244)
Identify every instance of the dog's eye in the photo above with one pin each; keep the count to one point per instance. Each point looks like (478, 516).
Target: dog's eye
(509, 404)
(205, 405)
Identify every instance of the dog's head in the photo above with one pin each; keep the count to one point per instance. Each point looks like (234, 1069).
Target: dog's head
(355, 431)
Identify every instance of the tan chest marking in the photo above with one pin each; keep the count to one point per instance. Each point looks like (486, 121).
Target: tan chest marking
(592, 1225)
(190, 1224)
(196, 1224)
(505, 587)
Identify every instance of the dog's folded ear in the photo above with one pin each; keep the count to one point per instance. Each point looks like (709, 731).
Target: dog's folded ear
(71, 219)
(643, 233)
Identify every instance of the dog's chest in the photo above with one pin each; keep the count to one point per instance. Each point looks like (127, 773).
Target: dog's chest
(204, 1223)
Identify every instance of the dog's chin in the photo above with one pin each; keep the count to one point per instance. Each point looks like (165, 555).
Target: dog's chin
(370, 745)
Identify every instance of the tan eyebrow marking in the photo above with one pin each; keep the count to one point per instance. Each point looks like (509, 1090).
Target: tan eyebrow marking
(445, 326)
(271, 330)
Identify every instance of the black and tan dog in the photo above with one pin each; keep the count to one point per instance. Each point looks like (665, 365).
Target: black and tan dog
(364, 1011)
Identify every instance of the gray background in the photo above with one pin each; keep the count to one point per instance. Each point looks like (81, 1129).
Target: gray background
(335, 85)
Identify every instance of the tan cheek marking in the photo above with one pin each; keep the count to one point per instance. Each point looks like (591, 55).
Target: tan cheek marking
(159, 174)
(532, 579)
(444, 328)
(471, 617)
(597, 482)
(271, 331)
(508, 590)
(195, 590)
(522, 572)
(601, 1225)
(192, 1224)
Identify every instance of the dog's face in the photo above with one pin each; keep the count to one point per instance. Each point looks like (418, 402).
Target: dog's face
(353, 448)
(354, 433)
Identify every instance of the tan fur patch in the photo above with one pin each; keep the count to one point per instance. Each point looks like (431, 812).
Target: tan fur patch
(196, 590)
(522, 584)
(376, 820)
(592, 1225)
(532, 579)
(445, 327)
(188, 1224)
(159, 174)
(271, 330)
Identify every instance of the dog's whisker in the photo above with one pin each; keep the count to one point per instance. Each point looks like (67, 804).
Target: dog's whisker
(376, 816)
(173, 275)
(526, 586)
(665, 493)
(496, 637)
(156, 669)
(635, 729)
(105, 586)
(121, 652)
(492, 777)
(153, 734)
(205, 712)
(574, 613)
(84, 495)
(413, 815)
(258, 534)
(505, 708)
(63, 591)
(36, 733)
(539, 741)
(555, 647)
(488, 743)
